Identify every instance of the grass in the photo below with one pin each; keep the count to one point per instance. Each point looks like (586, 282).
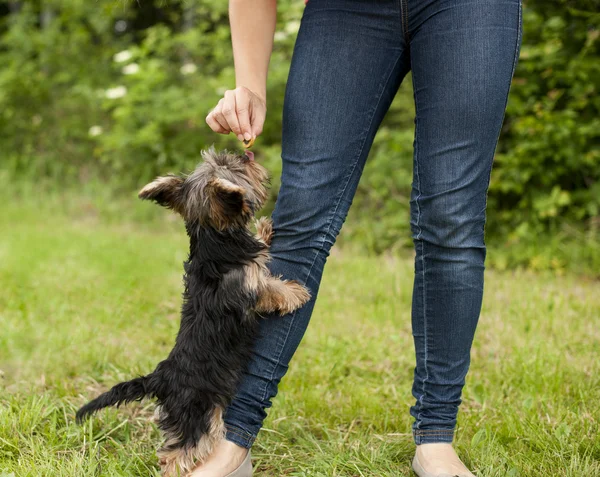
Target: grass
(89, 295)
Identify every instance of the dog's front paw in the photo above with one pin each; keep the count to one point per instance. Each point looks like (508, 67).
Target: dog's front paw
(297, 295)
(264, 229)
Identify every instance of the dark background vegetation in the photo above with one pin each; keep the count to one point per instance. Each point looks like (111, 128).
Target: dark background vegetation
(115, 92)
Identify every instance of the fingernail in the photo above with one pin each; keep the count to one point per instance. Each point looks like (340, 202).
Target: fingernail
(240, 137)
(247, 136)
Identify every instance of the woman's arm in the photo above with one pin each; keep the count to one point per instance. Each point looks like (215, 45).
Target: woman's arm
(243, 109)
(252, 28)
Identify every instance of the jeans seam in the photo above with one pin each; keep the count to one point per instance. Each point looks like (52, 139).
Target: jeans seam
(425, 333)
(421, 245)
(240, 433)
(337, 205)
(519, 37)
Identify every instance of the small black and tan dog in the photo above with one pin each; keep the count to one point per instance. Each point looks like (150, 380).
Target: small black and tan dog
(227, 284)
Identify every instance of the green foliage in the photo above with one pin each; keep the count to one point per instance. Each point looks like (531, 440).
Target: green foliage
(77, 98)
(548, 165)
(53, 64)
(83, 96)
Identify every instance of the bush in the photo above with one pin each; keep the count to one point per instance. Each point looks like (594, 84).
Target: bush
(547, 168)
(121, 90)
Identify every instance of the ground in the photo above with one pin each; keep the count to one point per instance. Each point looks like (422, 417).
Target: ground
(89, 295)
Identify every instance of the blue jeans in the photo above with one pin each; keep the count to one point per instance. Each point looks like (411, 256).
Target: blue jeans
(349, 60)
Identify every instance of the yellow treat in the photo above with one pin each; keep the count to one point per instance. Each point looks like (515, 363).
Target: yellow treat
(248, 143)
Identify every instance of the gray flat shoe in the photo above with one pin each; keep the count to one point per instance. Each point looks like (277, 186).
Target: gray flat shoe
(420, 471)
(245, 468)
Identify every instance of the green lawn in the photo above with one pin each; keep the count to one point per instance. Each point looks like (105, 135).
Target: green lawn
(89, 295)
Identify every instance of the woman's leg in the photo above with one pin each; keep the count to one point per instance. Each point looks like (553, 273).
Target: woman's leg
(463, 56)
(348, 62)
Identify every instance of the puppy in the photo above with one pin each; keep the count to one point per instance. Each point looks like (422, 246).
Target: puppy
(227, 284)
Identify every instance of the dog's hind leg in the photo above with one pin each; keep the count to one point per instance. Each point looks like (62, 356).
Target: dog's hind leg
(177, 460)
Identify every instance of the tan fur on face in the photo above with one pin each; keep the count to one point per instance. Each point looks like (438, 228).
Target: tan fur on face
(179, 461)
(196, 196)
(249, 175)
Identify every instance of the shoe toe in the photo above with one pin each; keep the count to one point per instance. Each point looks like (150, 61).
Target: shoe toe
(245, 468)
(421, 472)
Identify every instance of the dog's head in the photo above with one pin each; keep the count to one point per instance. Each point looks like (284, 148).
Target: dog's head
(223, 192)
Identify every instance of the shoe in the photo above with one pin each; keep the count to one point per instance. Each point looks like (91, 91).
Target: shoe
(245, 468)
(421, 472)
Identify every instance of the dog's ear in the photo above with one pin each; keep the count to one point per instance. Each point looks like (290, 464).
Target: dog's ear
(166, 191)
(227, 204)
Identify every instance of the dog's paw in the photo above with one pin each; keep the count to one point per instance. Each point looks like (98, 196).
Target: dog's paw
(264, 229)
(297, 295)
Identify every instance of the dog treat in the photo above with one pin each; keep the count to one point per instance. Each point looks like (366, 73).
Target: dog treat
(248, 143)
(227, 286)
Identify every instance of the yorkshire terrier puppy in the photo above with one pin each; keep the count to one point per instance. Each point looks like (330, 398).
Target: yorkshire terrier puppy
(227, 284)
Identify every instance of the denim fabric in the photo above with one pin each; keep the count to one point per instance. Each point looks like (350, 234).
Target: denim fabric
(349, 60)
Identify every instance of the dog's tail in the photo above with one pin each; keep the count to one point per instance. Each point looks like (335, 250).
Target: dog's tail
(134, 390)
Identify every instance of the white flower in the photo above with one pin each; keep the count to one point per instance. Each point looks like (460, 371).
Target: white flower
(117, 92)
(292, 27)
(122, 56)
(120, 26)
(95, 131)
(280, 36)
(188, 69)
(130, 69)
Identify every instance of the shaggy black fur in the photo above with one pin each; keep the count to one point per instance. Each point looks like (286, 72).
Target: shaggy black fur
(218, 325)
(214, 341)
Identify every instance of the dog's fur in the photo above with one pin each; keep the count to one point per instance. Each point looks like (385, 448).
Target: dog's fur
(226, 283)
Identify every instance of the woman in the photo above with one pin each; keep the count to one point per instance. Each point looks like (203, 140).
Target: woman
(349, 60)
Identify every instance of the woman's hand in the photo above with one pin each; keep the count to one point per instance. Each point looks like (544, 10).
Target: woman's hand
(241, 111)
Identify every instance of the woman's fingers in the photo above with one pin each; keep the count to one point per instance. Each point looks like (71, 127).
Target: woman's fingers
(215, 126)
(259, 113)
(230, 113)
(216, 121)
(242, 102)
(240, 111)
(220, 117)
